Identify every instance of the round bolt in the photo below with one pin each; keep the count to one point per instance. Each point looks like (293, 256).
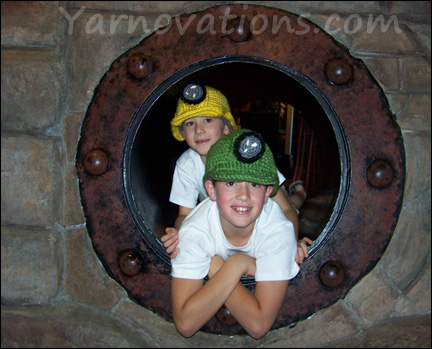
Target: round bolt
(225, 317)
(130, 262)
(96, 162)
(339, 71)
(332, 274)
(239, 31)
(379, 174)
(140, 66)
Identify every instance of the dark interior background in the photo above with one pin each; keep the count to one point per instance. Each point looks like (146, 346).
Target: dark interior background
(253, 91)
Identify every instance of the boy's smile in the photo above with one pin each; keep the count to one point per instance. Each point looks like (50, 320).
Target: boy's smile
(241, 210)
(202, 141)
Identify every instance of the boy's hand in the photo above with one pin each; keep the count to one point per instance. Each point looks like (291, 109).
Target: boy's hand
(251, 263)
(170, 242)
(248, 262)
(302, 249)
(215, 264)
(241, 260)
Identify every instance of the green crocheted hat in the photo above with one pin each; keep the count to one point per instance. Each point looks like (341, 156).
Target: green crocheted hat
(242, 156)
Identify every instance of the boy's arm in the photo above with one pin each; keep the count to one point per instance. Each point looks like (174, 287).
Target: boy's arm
(183, 212)
(194, 304)
(257, 312)
(287, 209)
(291, 214)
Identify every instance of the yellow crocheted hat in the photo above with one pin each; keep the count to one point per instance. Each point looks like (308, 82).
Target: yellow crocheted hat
(197, 101)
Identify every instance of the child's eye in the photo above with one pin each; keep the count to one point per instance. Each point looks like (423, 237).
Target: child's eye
(189, 123)
(208, 120)
(256, 185)
(230, 184)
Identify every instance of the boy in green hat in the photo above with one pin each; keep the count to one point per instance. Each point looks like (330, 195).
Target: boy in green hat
(239, 230)
(202, 117)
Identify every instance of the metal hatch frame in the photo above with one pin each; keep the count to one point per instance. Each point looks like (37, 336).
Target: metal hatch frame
(371, 196)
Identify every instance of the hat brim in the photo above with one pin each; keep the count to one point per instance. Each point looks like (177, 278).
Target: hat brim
(177, 124)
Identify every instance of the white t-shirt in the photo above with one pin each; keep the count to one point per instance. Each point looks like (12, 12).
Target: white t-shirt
(187, 185)
(273, 243)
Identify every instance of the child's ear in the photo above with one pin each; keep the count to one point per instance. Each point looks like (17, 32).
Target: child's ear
(226, 130)
(209, 185)
(268, 192)
(182, 132)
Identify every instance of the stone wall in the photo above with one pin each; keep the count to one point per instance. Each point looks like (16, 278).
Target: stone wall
(54, 289)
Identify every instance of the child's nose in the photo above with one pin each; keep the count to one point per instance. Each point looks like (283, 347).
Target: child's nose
(243, 191)
(199, 128)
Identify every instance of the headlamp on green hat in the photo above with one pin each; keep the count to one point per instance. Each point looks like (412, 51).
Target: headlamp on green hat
(242, 156)
(249, 147)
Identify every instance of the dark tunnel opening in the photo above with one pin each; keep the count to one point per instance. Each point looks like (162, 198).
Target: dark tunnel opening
(297, 123)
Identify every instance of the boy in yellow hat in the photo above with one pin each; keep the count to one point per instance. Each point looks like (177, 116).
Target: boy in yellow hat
(202, 117)
(239, 230)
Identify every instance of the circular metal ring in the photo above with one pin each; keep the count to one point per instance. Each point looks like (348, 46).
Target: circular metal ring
(365, 212)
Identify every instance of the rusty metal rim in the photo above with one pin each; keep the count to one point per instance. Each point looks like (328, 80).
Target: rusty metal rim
(370, 211)
(344, 156)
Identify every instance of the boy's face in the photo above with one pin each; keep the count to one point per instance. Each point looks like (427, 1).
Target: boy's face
(239, 203)
(201, 133)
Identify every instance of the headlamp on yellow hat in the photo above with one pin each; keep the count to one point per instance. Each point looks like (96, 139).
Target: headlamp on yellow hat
(194, 93)
(201, 101)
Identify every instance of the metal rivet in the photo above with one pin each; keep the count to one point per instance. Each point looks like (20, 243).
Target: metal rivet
(140, 65)
(332, 274)
(239, 30)
(379, 174)
(96, 162)
(130, 262)
(338, 71)
(225, 317)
